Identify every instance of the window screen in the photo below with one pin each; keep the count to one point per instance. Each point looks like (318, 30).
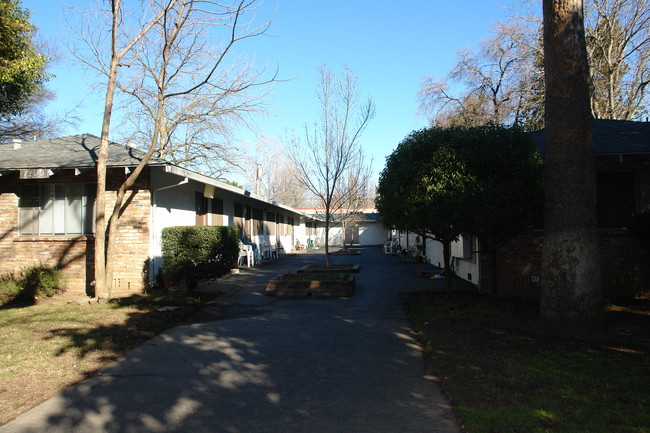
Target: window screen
(56, 209)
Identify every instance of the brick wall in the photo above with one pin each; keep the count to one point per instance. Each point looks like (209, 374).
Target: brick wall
(75, 254)
(625, 266)
(133, 236)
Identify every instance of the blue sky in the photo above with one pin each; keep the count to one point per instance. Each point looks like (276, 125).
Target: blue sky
(391, 46)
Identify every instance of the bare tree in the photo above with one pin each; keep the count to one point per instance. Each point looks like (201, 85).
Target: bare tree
(159, 47)
(570, 260)
(205, 97)
(491, 80)
(112, 37)
(508, 65)
(34, 122)
(618, 42)
(270, 173)
(359, 198)
(332, 153)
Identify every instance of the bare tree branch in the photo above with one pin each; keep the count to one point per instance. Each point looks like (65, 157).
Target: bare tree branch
(331, 164)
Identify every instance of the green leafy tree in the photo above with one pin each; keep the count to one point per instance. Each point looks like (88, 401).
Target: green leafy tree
(443, 182)
(234, 183)
(509, 185)
(423, 188)
(22, 66)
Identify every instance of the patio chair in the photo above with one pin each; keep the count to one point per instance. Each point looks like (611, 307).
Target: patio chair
(270, 253)
(246, 253)
(252, 246)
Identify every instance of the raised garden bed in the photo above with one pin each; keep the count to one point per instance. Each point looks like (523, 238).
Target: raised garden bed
(331, 269)
(312, 285)
(344, 252)
(427, 273)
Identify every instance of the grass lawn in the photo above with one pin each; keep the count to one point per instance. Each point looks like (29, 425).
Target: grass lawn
(503, 373)
(44, 349)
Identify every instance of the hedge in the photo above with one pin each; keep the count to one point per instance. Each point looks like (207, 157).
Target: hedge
(194, 253)
(34, 282)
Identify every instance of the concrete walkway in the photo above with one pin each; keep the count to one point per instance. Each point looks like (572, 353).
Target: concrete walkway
(261, 364)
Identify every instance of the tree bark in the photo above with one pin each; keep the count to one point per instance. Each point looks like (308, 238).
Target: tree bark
(446, 256)
(327, 237)
(494, 266)
(570, 262)
(102, 283)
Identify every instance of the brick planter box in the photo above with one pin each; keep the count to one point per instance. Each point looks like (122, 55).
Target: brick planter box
(310, 286)
(332, 269)
(343, 252)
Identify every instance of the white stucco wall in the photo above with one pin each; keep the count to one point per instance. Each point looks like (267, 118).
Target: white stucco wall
(372, 234)
(173, 204)
(170, 207)
(300, 232)
(466, 264)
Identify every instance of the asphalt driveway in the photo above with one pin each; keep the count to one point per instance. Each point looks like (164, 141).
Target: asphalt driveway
(260, 364)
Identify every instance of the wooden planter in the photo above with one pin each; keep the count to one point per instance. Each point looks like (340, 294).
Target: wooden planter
(344, 252)
(332, 269)
(309, 285)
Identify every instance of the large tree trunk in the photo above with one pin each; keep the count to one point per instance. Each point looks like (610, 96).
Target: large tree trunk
(446, 256)
(103, 284)
(570, 264)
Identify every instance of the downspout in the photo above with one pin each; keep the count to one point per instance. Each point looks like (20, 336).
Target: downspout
(152, 232)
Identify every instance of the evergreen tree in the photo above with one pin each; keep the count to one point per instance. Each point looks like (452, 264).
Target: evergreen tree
(22, 66)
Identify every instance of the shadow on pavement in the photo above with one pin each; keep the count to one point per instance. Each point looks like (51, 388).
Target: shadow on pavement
(275, 365)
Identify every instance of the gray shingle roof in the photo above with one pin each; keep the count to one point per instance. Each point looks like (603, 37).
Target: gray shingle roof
(613, 137)
(75, 151)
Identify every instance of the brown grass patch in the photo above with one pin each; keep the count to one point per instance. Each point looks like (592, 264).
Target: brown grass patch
(44, 349)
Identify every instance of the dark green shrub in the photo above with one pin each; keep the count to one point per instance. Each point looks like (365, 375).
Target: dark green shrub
(42, 281)
(34, 282)
(194, 253)
(9, 289)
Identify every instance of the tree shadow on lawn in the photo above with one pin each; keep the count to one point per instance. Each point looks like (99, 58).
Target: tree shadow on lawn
(504, 372)
(115, 339)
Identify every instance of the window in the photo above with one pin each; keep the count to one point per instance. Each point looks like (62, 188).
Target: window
(217, 212)
(270, 223)
(56, 209)
(282, 227)
(615, 202)
(248, 217)
(239, 219)
(311, 228)
(258, 223)
(201, 208)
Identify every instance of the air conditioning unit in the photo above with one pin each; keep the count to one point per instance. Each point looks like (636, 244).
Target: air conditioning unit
(208, 191)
